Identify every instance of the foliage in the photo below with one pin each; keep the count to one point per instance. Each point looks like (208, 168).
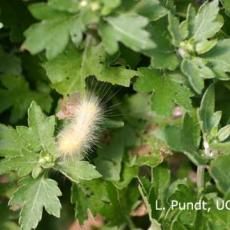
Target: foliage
(162, 66)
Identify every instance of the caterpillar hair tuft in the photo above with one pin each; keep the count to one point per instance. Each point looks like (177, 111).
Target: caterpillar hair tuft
(81, 132)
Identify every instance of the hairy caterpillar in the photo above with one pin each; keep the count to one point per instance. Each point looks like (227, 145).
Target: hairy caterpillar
(86, 113)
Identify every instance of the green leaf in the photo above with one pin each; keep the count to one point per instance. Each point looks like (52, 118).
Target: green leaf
(69, 70)
(216, 118)
(52, 33)
(17, 95)
(89, 195)
(62, 5)
(127, 175)
(173, 138)
(161, 180)
(174, 29)
(218, 219)
(152, 9)
(219, 170)
(77, 170)
(121, 204)
(147, 192)
(190, 136)
(96, 64)
(187, 25)
(103, 198)
(25, 148)
(137, 106)
(64, 72)
(52, 36)
(206, 23)
(109, 6)
(163, 56)
(192, 72)
(166, 91)
(10, 143)
(204, 71)
(181, 191)
(128, 29)
(43, 128)
(207, 109)
(113, 124)
(28, 140)
(9, 63)
(17, 156)
(218, 57)
(108, 161)
(222, 148)
(41, 11)
(149, 152)
(116, 75)
(186, 139)
(224, 133)
(226, 5)
(205, 46)
(33, 196)
(151, 160)
(22, 164)
(191, 132)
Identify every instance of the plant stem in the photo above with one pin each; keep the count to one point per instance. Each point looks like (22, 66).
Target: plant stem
(200, 178)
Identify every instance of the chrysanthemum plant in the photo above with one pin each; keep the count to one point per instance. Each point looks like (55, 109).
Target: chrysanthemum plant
(114, 111)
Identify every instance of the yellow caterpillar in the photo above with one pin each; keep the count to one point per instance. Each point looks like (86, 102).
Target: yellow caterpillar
(81, 133)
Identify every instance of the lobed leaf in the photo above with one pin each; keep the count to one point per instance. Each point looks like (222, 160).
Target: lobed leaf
(78, 170)
(220, 173)
(33, 196)
(128, 29)
(16, 94)
(166, 91)
(206, 23)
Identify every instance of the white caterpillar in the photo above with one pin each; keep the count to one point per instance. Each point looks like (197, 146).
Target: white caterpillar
(81, 133)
